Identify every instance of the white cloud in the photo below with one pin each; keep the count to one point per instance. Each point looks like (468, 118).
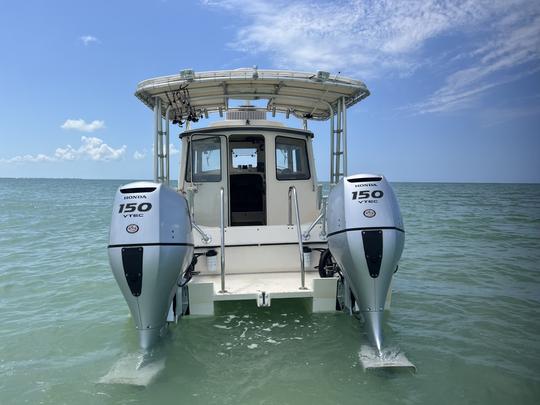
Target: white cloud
(88, 39)
(29, 158)
(91, 148)
(347, 36)
(139, 155)
(516, 44)
(172, 149)
(82, 125)
(374, 39)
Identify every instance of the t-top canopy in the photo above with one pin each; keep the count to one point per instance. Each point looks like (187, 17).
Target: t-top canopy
(192, 95)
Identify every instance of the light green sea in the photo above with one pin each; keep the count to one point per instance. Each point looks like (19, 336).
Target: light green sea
(465, 310)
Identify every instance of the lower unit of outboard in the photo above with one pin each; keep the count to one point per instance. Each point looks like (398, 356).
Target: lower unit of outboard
(366, 237)
(150, 244)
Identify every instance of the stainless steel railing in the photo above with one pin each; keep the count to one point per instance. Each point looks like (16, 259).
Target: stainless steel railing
(292, 193)
(321, 218)
(205, 238)
(222, 229)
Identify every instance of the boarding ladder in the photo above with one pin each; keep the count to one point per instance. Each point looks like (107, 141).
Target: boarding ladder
(161, 144)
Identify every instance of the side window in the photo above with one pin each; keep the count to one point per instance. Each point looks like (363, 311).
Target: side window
(291, 159)
(204, 159)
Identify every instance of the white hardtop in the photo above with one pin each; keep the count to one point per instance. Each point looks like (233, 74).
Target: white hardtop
(191, 95)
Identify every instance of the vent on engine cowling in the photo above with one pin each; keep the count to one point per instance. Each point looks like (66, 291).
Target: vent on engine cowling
(363, 179)
(137, 190)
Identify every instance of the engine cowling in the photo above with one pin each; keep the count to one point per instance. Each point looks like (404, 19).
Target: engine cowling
(366, 238)
(150, 244)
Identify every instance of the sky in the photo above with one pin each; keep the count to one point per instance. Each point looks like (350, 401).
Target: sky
(455, 85)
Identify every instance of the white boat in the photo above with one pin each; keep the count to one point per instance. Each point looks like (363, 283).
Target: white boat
(248, 220)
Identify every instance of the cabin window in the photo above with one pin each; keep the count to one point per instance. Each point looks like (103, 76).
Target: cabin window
(291, 159)
(206, 157)
(244, 158)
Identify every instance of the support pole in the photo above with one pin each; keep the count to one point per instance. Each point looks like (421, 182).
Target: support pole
(180, 183)
(332, 142)
(345, 161)
(167, 155)
(338, 151)
(161, 168)
(157, 118)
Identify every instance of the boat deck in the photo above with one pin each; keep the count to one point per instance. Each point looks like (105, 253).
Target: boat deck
(249, 286)
(204, 290)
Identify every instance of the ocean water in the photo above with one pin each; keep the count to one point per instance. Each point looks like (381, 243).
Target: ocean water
(465, 310)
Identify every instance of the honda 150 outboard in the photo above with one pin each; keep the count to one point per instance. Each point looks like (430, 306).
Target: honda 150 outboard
(366, 237)
(150, 245)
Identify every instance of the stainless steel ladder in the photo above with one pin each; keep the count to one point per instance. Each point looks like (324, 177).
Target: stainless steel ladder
(338, 143)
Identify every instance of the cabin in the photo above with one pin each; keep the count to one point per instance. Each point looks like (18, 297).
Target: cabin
(254, 161)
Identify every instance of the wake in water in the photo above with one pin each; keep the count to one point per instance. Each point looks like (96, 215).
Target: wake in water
(135, 369)
(388, 358)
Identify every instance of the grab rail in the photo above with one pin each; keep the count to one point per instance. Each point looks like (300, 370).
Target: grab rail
(322, 216)
(323, 230)
(205, 238)
(222, 228)
(292, 192)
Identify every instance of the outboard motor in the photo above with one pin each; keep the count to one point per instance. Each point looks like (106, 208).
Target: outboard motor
(366, 237)
(150, 245)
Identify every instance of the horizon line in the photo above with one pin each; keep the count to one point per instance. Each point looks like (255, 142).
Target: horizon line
(319, 181)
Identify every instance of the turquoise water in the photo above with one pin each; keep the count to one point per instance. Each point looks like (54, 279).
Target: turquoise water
(465, 310)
